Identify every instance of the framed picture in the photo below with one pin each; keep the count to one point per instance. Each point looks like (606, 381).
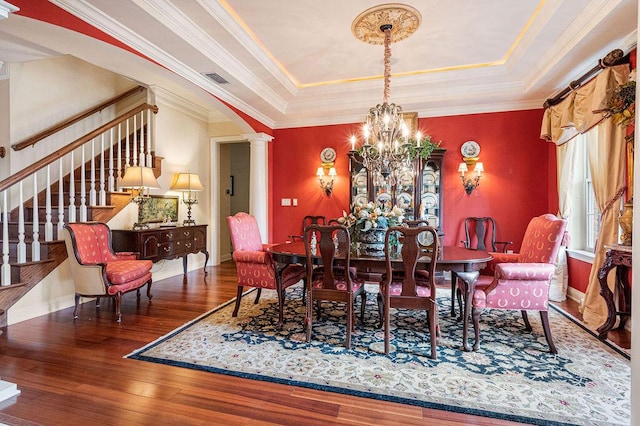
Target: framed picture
(158, 208)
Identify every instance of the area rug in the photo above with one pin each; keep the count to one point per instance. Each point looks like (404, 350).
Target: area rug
(512, 376)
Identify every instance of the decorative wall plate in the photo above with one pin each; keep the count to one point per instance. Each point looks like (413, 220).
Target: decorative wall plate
(470, 149)
(403, 200)
(328, 155)
(429, 200)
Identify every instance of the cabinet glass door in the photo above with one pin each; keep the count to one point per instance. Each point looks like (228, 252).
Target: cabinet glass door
(430, 194)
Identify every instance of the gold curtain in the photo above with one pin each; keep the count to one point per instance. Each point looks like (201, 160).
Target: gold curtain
(583, 109)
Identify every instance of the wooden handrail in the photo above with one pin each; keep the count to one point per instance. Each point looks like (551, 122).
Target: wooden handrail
(70, 121)
(40, 164)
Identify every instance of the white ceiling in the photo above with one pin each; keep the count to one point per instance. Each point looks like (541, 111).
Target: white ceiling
(295, 63)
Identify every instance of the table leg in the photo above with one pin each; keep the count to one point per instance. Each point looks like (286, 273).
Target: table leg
(206, 260)
(469, 280)
(184, 264)
(607, 294)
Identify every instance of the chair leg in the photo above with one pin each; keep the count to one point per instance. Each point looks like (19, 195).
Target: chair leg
(97, 302)
(258, 293)
(350, 316)
(547, 331)
(149, 295)
(238, 298)
(280, 308)
(475, 313)
(386, 325)
(525, 318)
(459, 297)
(138, 294)
(308, 320)
(118, 299)
(454, 285)
(380, 310)
(433, 319)
(75, 311)
(363, 302)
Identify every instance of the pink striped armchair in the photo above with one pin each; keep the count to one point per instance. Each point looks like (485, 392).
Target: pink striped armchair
(254, 265)
(520, 281)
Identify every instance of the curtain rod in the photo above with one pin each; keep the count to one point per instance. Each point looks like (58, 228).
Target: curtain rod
(615, 57)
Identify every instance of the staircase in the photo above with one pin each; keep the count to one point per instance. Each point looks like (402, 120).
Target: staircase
(31, 225)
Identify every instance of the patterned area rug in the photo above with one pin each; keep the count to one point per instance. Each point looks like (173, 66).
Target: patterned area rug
(512, 376)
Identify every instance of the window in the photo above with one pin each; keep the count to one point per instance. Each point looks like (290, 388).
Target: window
(585, 216)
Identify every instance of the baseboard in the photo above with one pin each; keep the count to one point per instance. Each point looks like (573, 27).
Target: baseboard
(8, 390)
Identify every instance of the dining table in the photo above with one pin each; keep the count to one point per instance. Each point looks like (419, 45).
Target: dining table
(464, 265)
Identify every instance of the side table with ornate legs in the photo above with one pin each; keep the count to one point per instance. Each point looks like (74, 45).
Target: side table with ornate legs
(619, 257)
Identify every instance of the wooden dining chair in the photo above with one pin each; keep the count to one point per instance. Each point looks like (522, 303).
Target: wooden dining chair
(418, 243)
(330, 282)
(306, 221)
(480, 233)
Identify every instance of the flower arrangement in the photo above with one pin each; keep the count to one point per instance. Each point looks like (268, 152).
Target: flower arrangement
(622, 104)
(370, 216)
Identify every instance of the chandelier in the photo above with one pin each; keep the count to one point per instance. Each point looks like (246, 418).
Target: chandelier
(387, 149)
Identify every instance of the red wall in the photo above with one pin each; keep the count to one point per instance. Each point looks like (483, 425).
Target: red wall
(516, 185)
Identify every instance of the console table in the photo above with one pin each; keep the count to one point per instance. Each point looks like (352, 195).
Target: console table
(163, 243)
(619, 257)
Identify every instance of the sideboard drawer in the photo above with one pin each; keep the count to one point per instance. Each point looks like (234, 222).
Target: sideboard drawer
(163, 243)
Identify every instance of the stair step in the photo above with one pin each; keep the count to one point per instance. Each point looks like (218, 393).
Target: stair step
(8, 390)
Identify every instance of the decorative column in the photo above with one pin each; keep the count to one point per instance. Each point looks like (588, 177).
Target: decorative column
(259, 181)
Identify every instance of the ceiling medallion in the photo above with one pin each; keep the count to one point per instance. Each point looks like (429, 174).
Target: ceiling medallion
(404, 20)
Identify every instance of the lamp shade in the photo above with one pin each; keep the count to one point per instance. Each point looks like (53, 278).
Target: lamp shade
(139, 177)
(462, 168)
(186, 182)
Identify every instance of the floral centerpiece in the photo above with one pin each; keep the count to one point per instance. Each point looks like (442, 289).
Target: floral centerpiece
(368, 223)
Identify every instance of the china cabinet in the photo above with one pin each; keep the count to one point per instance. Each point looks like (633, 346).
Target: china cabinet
(418, 191)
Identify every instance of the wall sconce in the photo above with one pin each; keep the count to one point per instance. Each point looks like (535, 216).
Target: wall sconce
(189, 184)
(327, 186)
(139, 180)
(471, 183)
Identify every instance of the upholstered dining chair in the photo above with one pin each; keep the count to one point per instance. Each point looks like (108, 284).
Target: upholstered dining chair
(254, 265)
(330, 282)
(521, 281)
(306, 221)
(98, 271)
(408, 291)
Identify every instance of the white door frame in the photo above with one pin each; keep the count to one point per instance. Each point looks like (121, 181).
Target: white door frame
(258, 185)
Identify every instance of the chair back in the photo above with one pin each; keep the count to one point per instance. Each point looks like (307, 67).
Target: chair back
(91, 242)
(313, 220)
(480, 233)
(418, 243)
(326, 236)
(245, 234)
(542, 239)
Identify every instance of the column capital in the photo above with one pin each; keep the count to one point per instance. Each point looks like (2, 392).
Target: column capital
(258, 137)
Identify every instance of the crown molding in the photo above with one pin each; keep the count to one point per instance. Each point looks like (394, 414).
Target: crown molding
(6, 9)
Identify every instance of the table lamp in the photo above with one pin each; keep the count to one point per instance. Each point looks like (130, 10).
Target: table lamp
(189, 184)
(139, 180)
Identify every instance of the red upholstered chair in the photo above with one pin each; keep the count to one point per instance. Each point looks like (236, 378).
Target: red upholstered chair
(254, 265)
(330, 282)
(521, 281)
(410, 290)
(98, 271)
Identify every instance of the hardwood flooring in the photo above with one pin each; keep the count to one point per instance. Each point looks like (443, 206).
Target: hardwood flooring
(73, 372)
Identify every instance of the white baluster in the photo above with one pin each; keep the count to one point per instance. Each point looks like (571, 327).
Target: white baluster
(60, 201)
(149, 159)
(5, 275)
(142, 156)
(72, 190)
(134, 147)
(83, 188)
(111, 179)
(35, 245)
(22, 246)
(119, 162)
(103, 194)
(48, 225)
(127, 159)
(92, 181)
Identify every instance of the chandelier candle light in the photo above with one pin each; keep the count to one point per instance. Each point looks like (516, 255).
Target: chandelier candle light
(140, 180)
(189, 184)
(388, 148)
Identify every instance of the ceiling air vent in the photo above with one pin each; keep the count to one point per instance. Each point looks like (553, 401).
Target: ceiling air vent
(216, 77)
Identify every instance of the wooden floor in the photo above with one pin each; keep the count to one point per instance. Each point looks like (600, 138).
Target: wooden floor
(73, 372)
